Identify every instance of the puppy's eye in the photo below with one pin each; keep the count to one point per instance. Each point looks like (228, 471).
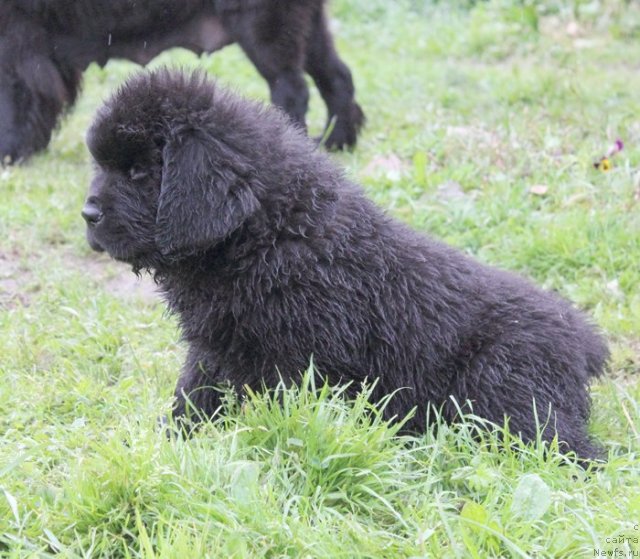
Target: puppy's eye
(137, 172)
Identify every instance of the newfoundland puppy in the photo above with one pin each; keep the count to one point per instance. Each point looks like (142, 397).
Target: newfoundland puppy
(45, 45)
(270, 256)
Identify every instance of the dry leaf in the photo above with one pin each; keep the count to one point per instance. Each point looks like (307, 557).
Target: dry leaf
(451, 190)
(539, 189)
(573, 29)
(390, 166)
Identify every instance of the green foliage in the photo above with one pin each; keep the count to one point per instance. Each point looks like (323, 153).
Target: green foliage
(484, 120)
(531, 498)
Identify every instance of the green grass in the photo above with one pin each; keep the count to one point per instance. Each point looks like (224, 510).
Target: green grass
(470, 105)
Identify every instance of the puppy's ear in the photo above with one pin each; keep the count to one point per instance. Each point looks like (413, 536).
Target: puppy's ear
(205, 195)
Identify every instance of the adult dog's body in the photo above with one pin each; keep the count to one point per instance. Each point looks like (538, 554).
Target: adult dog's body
(45, 45)
(269, 256)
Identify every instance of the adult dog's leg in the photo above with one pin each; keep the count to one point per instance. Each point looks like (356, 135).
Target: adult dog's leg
(333, 78)
(33, 88)
(275, 41)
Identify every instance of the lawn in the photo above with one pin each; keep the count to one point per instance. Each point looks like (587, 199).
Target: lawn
(484, 123)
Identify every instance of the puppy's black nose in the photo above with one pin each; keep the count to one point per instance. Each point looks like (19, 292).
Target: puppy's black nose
(91, 214)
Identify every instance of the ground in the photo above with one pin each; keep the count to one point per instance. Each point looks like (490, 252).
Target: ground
(484, 123)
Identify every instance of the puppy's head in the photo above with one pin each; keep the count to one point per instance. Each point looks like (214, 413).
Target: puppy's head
(172, 177)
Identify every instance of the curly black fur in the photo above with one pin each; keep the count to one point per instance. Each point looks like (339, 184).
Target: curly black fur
(269, 256)
(45, 45)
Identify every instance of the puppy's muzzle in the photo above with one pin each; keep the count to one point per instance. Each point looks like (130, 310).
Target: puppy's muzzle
(92, 215)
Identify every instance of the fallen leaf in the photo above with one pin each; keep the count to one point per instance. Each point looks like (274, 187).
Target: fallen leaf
(472, 133)
(576, 199)
(613, 287)
(573, 29)
(390, 166)
(450, 190)
(539, 189)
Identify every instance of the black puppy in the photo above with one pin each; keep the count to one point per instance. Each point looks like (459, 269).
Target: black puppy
(45, 45)
(270, 256)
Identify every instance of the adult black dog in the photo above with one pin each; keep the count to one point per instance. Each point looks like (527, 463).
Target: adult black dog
(45, 45)
(270, 256)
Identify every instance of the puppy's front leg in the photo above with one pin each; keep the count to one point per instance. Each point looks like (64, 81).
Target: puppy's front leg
(200, 389)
